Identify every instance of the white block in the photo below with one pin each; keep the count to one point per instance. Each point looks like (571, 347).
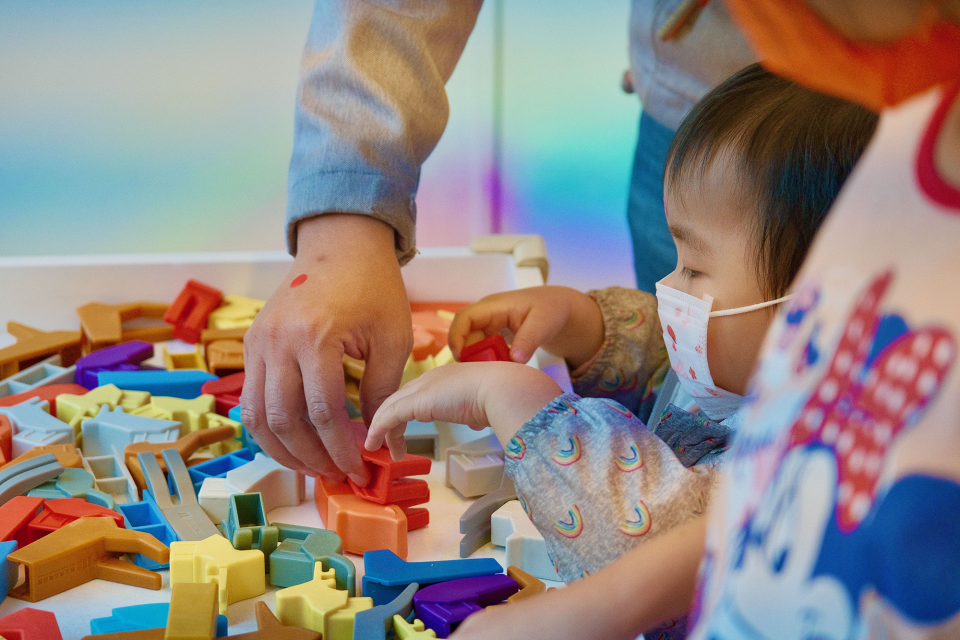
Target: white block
(214, 498)
(280, 486)
(475, 468)
(511, 528)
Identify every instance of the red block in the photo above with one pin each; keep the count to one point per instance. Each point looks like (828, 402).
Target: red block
(226, 390)
(492, 349)
(30, 624)
(389, 483)
(60, 512)
(14, 516)
(48, 393)
(6, 440)
(189, 312)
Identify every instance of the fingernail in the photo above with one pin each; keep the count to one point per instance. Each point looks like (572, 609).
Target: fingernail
(519, 356)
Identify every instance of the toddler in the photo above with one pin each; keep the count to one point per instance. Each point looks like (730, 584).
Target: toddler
(749, 176)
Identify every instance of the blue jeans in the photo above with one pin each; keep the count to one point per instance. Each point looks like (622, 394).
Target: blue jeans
(654, 254)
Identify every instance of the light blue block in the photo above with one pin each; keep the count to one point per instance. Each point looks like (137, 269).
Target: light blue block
(74, 483)
(183, 383)
(116, 428)
(43, 373)
(140, 617)
(9, 571)
(34, 426)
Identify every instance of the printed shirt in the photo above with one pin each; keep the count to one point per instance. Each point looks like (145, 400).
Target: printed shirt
(838, 515)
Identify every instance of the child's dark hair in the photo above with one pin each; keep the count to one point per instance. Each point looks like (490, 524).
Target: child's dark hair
(793, 149)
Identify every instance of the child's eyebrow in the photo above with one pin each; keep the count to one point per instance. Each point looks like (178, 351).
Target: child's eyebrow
(689, 238)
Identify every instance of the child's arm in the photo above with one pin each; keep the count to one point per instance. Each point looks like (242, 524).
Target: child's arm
(564, 321)
(502, 395)
(650, 584)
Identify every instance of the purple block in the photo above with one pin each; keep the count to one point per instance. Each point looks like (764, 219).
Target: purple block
(445, 605)
(119, 357)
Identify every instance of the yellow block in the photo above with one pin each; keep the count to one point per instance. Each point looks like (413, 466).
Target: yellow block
(74, 409)
(193, 612)
(415, 631)
(319, 606)
(239, 574)
(234, 313)
(193, 414)
(189, 360)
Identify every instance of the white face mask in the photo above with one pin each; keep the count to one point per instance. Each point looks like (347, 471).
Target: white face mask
(684, 322)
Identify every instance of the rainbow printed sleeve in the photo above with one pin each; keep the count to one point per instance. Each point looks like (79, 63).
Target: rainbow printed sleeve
(597, 483)
(631, 364)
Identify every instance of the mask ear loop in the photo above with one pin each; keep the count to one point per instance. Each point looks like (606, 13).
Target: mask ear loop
(752, 307)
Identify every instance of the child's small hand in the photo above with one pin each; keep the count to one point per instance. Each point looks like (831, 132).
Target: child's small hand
(504, 395)
(563, 321)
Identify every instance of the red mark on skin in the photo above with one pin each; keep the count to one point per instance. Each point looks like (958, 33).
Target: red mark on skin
(299, 280)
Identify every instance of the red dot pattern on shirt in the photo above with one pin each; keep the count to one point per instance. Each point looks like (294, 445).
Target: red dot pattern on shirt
(859, 417)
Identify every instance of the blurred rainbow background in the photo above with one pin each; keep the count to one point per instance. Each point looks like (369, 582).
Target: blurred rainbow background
(130, 127)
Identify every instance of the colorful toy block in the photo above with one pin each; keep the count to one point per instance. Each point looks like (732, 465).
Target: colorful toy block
(301, 548)
(120, 357)
(145, 516)
(33, 426)
(15, 515)
(389, 481)
(225, 357)
(16, 480)
(212, 335)
(73, 483)
(386, 575)
(510, 527)
(475, 521)
(194, 414)
(49, 392)
(74, 408)
(320, 606)
(58, 513)
(143, 617)
(179, 384)
(442, 607)
(110, 475)
(364, 526)
(9, 571)
(422, 438)
(85, 550)
(184, 360)
(280, 486)
(117, 428)
(491, 349)
(238, 574)
(34, 345)
(66, 454)
(101, 325)
(374, 623)
(529, 585)
(475, 468)
(193, 611)
(186, 446)
(226, 391)
(246, 525)
(189, 312)
(411, 630)
(236, 312)
(181, 510)
(322, 491)
(219, 467)
(30, 624)
(43, 373)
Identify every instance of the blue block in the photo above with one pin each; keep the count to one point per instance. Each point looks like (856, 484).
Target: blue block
(387, 574)
(373, 624)
(245, 438)
(145, 516)
(183, 383)
(218, 467)
(143, 616)
(9, 571)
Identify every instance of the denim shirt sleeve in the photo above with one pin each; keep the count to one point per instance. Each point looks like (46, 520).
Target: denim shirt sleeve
(371, 106)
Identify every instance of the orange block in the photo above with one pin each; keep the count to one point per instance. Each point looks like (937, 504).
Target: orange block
(225, 357)
(48, 393)
(102, 324)
(366, 526)
(33, 345)
(6, 439)
(322, 490)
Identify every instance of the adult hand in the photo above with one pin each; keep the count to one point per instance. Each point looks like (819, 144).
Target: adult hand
(564, 321)
(343, 294)
(503, 395)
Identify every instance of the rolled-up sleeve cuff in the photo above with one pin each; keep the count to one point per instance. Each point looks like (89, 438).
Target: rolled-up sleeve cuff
(370, 194)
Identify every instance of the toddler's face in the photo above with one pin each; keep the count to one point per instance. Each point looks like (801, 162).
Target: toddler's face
(711, 227)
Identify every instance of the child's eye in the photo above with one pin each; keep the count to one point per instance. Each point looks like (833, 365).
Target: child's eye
(688, 273)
